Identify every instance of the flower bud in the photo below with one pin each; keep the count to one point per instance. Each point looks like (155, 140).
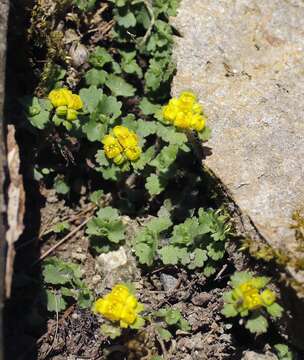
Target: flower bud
(71, 115)
(61, 110)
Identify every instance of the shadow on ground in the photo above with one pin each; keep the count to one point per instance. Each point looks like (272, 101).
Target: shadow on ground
(24, 321)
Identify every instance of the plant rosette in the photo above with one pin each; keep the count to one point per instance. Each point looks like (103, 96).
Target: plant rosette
(250, 298)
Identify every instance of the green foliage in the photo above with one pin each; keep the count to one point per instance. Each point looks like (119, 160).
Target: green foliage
(37, 111)
(198, 242)
(146, 242)
(61, 227)
(283, 352)
(251, 299)
(105, 229)
(110, 331)
(85, 5)
(168, 320)
(63, 282)
(61, 186)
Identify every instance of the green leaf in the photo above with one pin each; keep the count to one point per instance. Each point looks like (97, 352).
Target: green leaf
(165, 158)
(205, 134)
(84, 5)
(96, 197)
(145, 128)
(275, 310)
(227, 297)
(173, 316)
(55, 302)
(200, 256)
(55, 276)
(61, 227)
(61, 186)
(185, 234)
(139, 323)
(145, 253)
(209, 268)
(144, 159)
(95, 77)
(119, 86)
(110, 106)
(216, 250)
(40, 120)
(94, 131)
(164, 333)
(91, 97)
(129, 64)
(84, 299)
(257, 324)
(107, 224)
(171, 135)
(184, 325)
(169, 255)
(154, 185)
(101, 158)
(110, 331)
(283, 352)
(158, 225)
(128, 20)
(229, 310)
(239, 278)
(147, 107)
(100, 57)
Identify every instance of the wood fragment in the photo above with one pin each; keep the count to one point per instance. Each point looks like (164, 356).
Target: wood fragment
(15, 205)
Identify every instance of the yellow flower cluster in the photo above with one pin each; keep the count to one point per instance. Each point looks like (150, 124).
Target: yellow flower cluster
(185, 112)
(121, 145)
(119, 305)
(66, 103)
(249, 297)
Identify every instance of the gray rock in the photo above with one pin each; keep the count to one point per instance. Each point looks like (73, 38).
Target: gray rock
(169, 282)
(251, 355)
(245, 61)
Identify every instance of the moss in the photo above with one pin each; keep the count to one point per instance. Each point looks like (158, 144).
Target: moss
(282, 257)
(48, 40)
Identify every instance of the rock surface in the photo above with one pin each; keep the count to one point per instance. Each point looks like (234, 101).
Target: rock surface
(251, 355)
(245, 61)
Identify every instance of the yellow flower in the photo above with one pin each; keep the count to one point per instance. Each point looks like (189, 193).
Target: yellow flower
(197, 122)
(112, 148)
(185, 112)
(169, 113)
(133, 152)
(182, 120)
(186, 101)
(252, 300)
(119, 159)
(75, 102)
(197, 108)
(126, 137)
(119, 305)
(57, 98)
(268, 297)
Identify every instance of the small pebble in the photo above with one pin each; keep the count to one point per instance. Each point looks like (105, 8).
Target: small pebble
(169, 282)
(201, 299)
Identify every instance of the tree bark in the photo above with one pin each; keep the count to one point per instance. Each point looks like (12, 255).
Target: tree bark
(4, 10)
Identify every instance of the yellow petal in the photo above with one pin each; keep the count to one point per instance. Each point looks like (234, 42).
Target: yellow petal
(133, 153)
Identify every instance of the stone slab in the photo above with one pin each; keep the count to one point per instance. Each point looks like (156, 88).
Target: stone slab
(245, 60)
